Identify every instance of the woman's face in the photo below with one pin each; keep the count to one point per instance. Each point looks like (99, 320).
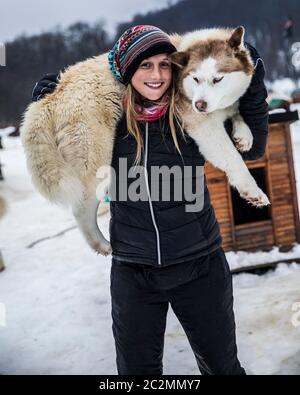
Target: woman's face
(155, 70)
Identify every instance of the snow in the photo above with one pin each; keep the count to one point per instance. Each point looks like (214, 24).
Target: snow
(55, 296)
(284, 87)
(268, 341)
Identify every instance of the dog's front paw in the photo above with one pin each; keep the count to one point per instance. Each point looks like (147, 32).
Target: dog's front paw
(257, 198)
(242, 136)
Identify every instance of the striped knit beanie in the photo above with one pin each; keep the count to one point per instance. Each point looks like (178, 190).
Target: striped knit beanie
(136, 44)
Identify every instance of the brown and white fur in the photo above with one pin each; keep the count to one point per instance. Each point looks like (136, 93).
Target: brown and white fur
(215, 70)
(69, 135)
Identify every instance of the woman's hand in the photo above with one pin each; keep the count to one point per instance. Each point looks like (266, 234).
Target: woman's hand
(254, 109)
(44, 86)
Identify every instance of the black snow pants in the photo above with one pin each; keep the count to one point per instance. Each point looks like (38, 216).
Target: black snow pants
(200, 294)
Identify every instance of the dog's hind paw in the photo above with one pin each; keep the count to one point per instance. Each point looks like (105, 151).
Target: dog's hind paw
(103, 248)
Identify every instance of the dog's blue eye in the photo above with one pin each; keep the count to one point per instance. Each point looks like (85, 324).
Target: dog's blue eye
(216, 80)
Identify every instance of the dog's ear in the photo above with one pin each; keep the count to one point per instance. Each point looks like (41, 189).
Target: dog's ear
(180, 58)
(237, 37)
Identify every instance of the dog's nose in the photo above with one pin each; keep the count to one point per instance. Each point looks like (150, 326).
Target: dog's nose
(201, 105)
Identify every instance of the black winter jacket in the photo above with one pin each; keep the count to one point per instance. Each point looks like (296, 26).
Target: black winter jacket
(163, 233)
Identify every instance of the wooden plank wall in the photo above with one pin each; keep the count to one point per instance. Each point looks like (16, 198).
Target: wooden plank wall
(284, 228)
(219, 191)
(283, 186)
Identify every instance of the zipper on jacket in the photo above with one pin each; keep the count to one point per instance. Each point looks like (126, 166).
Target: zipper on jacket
(149, 197)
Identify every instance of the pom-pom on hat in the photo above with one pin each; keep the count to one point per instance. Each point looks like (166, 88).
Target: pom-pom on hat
(136, 44)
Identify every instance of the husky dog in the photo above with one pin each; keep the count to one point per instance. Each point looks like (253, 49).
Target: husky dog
(215, 70)
(69, 135)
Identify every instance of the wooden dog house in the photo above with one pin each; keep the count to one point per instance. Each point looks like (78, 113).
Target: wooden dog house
(244, 227)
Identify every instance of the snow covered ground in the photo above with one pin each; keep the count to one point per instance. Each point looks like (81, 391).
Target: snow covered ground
(55, 297)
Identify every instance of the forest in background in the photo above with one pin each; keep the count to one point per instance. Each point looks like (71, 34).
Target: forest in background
(28, 58)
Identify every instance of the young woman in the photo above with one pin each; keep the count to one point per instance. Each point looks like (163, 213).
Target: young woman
(162, 254)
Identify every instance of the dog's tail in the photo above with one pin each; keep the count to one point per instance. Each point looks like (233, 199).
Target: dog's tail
(54, 178)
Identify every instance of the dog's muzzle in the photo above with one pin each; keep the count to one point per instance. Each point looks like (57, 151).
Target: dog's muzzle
(201, 105)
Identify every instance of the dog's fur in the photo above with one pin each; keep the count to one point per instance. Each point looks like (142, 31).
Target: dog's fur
(205, 55)
(69, 134)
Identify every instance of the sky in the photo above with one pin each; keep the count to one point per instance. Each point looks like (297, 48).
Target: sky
(36, 16)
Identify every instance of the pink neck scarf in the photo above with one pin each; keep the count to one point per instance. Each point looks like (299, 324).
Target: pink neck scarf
(150, 112)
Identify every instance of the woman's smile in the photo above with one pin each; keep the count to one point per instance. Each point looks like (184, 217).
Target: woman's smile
(154, 85)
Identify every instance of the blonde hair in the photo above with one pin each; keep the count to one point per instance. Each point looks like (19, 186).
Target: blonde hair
(132, 124)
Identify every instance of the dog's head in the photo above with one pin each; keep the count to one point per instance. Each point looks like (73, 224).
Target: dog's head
(214, 68)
